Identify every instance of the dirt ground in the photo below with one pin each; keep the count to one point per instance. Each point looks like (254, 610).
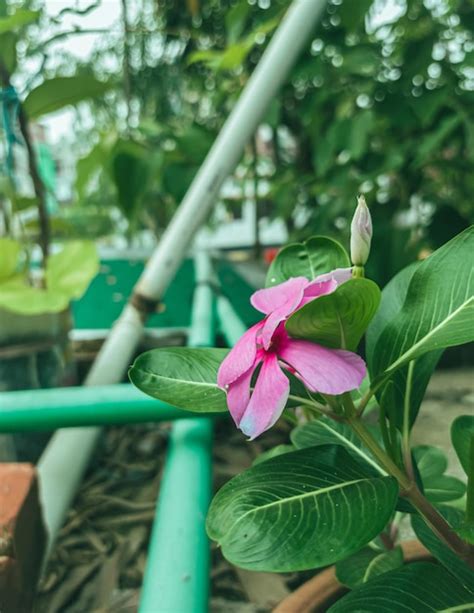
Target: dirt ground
(100, 556)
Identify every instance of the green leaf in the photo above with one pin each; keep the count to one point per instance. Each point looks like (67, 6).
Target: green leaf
(416, 588)
(462, 437)
(353, 13)
(56, 93)
(437, 487)
(10, 251)
(361, 127)
(20, 18)
(184, 377)
(436, 138)
(72, 269)
(300, 510)
(338, 319)
(367, 564)
(314, 257)
(441, 551)
(393, 298)
(272, 453)
(18, 297)
(235, 20)
(130, 172)
(324, 431)
(8, 42)
(437, 311)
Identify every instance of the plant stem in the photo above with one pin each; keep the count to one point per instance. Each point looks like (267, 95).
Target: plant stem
(410, 490)
(407, 459)
(470, 484)
(38, 185)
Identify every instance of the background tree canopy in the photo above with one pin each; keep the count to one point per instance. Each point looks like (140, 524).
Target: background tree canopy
(382, 102)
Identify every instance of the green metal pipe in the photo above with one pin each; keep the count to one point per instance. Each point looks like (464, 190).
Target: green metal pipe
(49, 409)
(230, 324)
(177, 571)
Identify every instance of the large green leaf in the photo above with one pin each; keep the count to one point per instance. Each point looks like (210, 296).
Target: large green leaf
(437, 311)
(462, 437)
(58, 92)
(403, 388)
(20, 18)
(182, 376)
(338, 319)
(314, 257)
(441, 551)
(417, 588)
(18, 297)
(324, 431)
(367, 564)
(72, 269)
(300, 510)
(432, 464)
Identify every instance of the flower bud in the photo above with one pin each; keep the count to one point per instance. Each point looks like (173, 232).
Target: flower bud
(361, 233)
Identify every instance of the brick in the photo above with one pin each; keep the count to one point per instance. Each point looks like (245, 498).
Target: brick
(22, 537)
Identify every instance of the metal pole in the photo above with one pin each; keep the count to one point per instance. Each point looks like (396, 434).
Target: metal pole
(177, 570)
(55, 466)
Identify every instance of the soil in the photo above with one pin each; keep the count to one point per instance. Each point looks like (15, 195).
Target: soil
(99, 558)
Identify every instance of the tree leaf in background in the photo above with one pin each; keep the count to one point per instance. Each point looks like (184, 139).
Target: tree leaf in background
(437, 311)
(235, 20)
(352, 14)
(367, 564)
(130, 172)
(182, 376)
(435, 139)
(58, 92)
(420, 587)
(300, 510)
(442, 552)
(71, 270)
(361, 127)
(8, 42)
(314, 257)
(338, 319)
(462, 437)
(324, 431)
(21, 17)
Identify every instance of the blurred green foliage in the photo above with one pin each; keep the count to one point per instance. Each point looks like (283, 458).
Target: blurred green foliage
(381, 102)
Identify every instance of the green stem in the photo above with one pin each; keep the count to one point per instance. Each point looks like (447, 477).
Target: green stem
(313, 405)
(407, 459)
(410, 490)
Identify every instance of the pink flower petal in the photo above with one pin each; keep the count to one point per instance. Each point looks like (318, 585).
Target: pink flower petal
(329, 371)
(272, 298)
(268, 398)
(238, 394)
(340, 275)
(240, 358)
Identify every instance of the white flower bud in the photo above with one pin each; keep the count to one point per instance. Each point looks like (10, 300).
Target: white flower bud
(361, 233)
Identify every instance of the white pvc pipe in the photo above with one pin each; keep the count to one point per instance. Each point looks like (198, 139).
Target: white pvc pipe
(221, 160)
(65, 459)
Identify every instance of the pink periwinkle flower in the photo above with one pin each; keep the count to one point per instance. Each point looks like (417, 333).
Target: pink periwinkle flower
(324, 370)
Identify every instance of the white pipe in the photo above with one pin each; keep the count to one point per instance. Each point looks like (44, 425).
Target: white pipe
(65, 459)
(221, 160)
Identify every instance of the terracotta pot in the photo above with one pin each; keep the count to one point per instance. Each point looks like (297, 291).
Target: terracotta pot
(323, 590)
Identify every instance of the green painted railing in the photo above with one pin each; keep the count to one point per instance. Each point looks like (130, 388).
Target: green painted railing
(49, 409)
(177, 570)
